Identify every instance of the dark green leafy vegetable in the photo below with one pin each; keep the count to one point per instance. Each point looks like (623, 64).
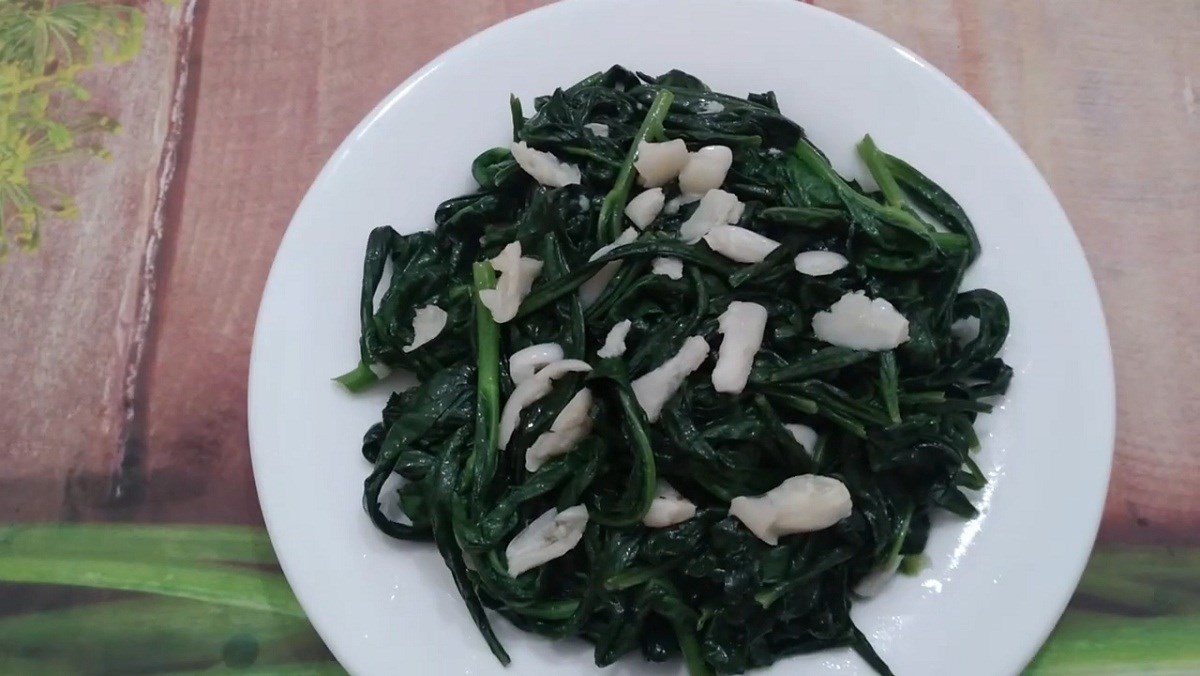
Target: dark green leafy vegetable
(895, 427)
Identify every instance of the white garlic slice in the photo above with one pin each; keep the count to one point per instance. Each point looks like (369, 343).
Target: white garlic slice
(530, 391)
(739, 244)
(544, 167)
(570, 426)
(614, 342)
(644, 208)
(659, 163)
(673, 204)
(546, 538)
(656, 387)
(428, 322)
(668, 508)
(819, 263)
(716, 208)
(861, 323)
(516, 279)
(667, 267)
(801, 504)
(705, 170)
(742, 325)
(525, 362)
(803, 434)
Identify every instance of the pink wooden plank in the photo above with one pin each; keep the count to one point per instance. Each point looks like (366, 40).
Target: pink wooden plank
(71, 309)
(279, 84)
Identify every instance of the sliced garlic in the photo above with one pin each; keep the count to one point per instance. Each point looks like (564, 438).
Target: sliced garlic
(614, 342)
(656, 387)
(644, 208)
(705, 170)
(673, 204)
(801, 504)
(716, 208)
(544, 167)
(516, 279)
(819, 263)
(525, 362)
(667, 267)
(861, 323)
(597, 128)
(742, 325)
(668, 508)
(546, 538)
(739, 244)
(803, 434)
(570, 426)
(428, 322)
(658, 163)
(530, 391)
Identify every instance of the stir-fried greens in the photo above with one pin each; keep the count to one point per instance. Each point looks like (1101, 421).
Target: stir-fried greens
(890, 428)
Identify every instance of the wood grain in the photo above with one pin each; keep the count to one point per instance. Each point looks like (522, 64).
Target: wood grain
(71, 310)
(1102, 95)
(279, 85)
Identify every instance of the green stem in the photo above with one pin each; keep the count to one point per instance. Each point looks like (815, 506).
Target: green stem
(892, 215)
(875, 164)
(693, 658)
(637, 250)
(1092, 643)
(358, 379)
(487, 400)
(150, 635)
(643, 477)
(613, 208)
(935, 201)
(443, 529)
(889, 385)
(240, 588)
(136, 542)
(822, 361)
(518, 117)
(812, 218)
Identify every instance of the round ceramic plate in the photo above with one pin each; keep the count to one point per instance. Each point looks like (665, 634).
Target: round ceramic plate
(997, 583)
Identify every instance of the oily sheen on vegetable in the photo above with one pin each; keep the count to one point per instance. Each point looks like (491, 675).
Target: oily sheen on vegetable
(685, 391)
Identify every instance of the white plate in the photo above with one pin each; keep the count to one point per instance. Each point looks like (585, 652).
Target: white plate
(997, 583)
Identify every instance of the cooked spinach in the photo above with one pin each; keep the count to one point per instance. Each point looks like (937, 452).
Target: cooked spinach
(895, 426)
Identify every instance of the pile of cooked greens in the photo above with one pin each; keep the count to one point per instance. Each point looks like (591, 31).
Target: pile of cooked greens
(892, 428)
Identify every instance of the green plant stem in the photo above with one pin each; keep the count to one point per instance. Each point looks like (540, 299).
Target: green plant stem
(487, 401)
(1094, 643)
(358, 379)
(613, 207)
(136, 542)
(240, 588)
(889, 388)
(883, 176)
(151, 634)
